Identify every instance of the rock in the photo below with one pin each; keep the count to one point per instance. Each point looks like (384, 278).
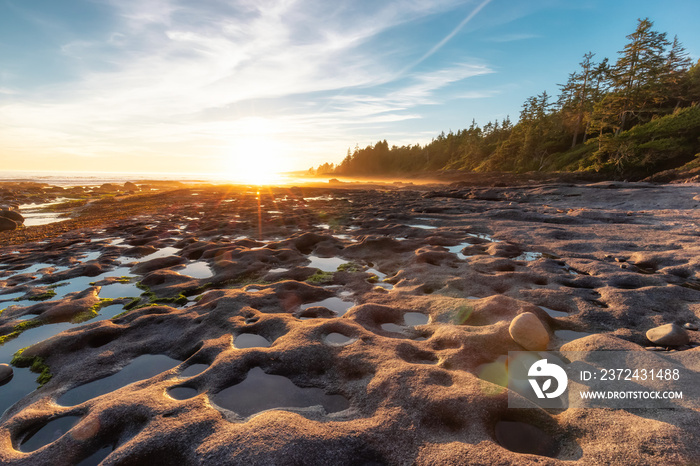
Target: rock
(129, 186)
(6, 373)
(527, 330)
(12, 215)
(7, 224)
(668, 335)
(690, 326)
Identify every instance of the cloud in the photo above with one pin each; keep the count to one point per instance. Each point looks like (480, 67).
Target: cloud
(175, 76)
(513, 37)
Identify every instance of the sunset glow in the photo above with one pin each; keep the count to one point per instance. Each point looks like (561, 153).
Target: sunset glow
(167, 86)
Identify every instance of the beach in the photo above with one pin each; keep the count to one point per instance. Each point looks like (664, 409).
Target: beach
(340, 323)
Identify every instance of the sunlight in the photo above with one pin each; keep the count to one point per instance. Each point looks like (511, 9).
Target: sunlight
(255, 157)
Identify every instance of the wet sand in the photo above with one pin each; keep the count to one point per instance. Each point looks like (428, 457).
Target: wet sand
(339, 325)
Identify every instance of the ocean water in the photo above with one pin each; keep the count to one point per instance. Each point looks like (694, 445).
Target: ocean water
(69, 178)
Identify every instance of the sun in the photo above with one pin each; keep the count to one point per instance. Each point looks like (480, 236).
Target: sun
(254, 159)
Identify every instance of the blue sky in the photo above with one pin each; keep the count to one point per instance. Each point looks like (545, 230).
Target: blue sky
(210, 86)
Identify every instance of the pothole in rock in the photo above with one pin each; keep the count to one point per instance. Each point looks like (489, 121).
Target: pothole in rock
(163, 252)
(250, 340)
(458, 250)
(483, 236)
(570, 335)
(119, 290)
(495, 372)
(421, 226)
(553, 313)
(47, 433)
(193, 370)
(338, 339)
(528, 256)
(198, 269)
(141, 368)
(261, 392)
(182, 392)
(410, 319)
(525, 438)
(23, 381)
(333, 303)
(326, 264)
(380, 279)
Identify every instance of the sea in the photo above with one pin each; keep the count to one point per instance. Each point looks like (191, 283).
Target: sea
(78, 178)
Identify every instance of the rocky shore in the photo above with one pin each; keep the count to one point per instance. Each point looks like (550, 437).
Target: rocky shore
(345, 324)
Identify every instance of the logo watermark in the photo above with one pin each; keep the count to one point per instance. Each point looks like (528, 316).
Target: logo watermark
(603, 379)
(552, 372)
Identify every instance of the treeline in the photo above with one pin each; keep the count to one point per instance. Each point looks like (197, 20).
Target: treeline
(629, 119)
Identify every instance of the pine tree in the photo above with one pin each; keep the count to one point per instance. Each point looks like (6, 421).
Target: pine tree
(639, 67)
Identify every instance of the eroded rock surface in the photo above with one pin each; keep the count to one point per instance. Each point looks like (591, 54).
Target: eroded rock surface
(270, 359)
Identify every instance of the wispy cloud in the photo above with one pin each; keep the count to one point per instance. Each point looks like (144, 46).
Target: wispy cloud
(513, 37)
(153, 83)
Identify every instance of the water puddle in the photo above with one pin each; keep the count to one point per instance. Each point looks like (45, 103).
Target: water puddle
(182, 393)
(120, 290)
(422, 227)
(250, 340)
(90, 256)
(528, 256)
(495, 372)
(570, 335)
(392, 328)
(23, 381)
(107, 312)
(10, 297)
(458, 250)
(326, 264)
(338, 339)
(333, 303)
(164, 252)
(33, 269)
(553, 313)
(48, 433)
(261, 391)
(199, 269)
(34, 214)
(413, 319)
(141, 368)
(483, 236)
(194, 369)
(279, 270)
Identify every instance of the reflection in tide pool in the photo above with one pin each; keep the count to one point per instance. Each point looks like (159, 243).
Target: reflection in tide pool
(141, 368)
(197, 269)
(326, 264)
(336, 305)
(48, 433)
(250, 340)
(261, 391)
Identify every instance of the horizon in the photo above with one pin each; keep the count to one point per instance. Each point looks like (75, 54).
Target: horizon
(249, 91)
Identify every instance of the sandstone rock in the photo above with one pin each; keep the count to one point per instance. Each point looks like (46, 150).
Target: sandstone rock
(690, 326)
(12, 215)
(7, 224)
(6, 373)
(668, 335)
(527, 330)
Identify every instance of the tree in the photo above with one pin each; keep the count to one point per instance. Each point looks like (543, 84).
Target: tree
(639, 67)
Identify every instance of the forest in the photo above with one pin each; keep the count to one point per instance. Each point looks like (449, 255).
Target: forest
(629, 119)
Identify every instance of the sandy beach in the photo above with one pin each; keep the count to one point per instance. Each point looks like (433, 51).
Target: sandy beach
(338, 324)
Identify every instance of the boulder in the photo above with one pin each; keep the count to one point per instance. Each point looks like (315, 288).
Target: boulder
(7, 224)
(12, 215)
(6, 373)
(668, 335)
(527, 331)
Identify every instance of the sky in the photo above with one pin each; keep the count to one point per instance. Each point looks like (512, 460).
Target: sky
(215, 86)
